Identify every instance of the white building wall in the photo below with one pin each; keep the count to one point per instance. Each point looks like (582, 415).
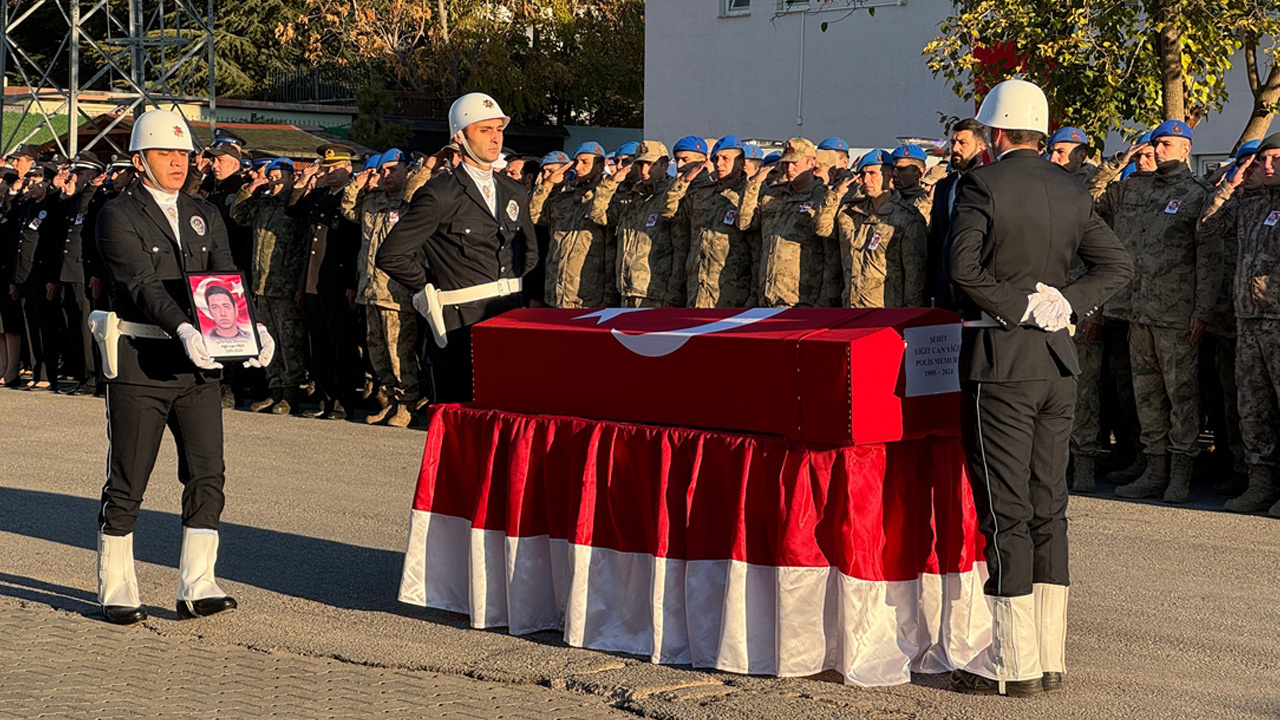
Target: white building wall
(864, 79)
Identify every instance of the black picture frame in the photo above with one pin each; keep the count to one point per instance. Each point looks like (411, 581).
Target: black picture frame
(210, 293)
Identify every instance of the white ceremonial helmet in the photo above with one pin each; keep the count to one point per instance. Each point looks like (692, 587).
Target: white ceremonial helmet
(473, 108)
(1015, 105)
(160, 130)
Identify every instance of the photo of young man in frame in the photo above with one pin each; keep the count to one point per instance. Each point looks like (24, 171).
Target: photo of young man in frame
(224, 315)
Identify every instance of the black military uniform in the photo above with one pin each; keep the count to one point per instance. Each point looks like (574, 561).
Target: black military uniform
(222, 193)
(1018, 222)
(74, 300)
(326, 277)
(156, 384)
(464, 245)
(38, 265)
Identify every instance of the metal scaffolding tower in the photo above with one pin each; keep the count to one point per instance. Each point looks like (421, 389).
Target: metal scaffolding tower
(140, 53)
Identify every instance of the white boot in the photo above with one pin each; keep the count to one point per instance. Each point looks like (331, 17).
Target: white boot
(1051, 625)
(117, 584)
(1014, 653)
(198, 591)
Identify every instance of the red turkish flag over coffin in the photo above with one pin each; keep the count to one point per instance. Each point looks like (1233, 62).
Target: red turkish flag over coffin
(834, 376)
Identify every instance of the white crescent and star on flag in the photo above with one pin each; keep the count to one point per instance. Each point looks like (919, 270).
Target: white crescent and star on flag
(665, 342)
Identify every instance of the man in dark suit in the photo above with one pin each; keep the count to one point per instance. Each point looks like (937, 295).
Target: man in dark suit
(158, 370)
(968, 147)
(473, 229)
(1016, 226)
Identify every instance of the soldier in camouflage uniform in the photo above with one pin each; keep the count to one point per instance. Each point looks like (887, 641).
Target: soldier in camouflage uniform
(908, 170)
(880, 241)
(718, 260)
(278, 257)
(1254, 221)
(630, 202)
(1221, 338)
(1177, 272)
(1069, 147)
(1112, 334)
(581, 257)
(794, 259)
(376, 199)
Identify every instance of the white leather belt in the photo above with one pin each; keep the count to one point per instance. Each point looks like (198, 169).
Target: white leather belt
(431, 302)
(107, 328)
(497, 288)
(142, 330)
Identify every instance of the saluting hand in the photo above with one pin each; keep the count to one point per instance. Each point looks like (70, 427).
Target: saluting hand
(1241, 172)
(762, 175)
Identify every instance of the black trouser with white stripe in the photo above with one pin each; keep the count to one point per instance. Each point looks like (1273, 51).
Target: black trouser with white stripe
(1016, 437)
(136, 418)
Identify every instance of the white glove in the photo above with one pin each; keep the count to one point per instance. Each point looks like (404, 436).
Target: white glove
(1034, 301)
(420, 303)
(1054, 312)
(193, 344)
(268, 349)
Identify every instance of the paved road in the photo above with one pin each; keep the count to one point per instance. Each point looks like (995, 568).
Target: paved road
(1175, 611)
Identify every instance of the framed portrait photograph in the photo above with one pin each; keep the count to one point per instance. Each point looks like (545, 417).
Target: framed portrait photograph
(223, 315)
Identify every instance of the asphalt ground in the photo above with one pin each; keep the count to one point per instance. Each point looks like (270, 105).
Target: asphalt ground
(1175, 611)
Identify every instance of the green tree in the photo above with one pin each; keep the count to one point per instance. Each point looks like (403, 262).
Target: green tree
(545, 60)
(1106, 64)
(370, 126)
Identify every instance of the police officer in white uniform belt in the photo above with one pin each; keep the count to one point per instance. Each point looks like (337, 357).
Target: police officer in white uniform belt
(158, 370)
(472, 226)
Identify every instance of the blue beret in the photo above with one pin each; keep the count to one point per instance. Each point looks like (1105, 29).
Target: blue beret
(1247, 149)
(691, 143)
(390, 157)
(834, 143)
(875, 157)
(589, 148)
(729, 142)
(909, 152)
(628, 149)
(1068, 135)
(261, 162)
(1128, 170)
(372, 162)
(280, 164)
(1144, 138)
(772, 157)
(1172, 128)
(753, 152)
(556, 157)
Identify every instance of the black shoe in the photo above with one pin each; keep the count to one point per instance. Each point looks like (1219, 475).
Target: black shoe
(121, 615)
(1051, 682)
(228, 397)
(84, 389)
(966, 682)
(188, 609)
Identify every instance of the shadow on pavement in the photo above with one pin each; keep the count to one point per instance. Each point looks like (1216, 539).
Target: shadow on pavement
(323, 571)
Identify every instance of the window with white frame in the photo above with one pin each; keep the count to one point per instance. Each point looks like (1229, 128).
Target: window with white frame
(729, 8)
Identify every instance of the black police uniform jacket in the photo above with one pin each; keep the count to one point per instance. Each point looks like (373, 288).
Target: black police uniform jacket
(145, 265)
(1017, 222)
(449, 226)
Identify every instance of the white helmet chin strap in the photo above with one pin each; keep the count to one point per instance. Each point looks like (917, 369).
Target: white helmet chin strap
(146, 167)
(461, 137)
